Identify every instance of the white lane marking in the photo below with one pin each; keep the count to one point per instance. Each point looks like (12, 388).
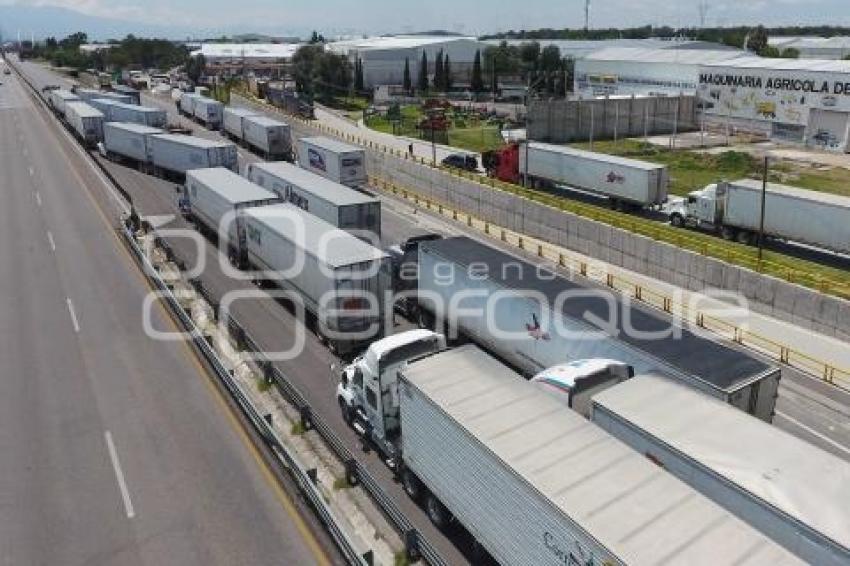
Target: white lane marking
(38, 198)
(32, 172)
(73, 316)
(810, 430)
(119, 475)
(51, 240)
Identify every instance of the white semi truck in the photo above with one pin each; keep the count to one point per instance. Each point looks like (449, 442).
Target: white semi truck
(340, 162)
(533, 482)
(628, 183)
(733, 209)
(85, 121)
(535, 320)
(791, 490)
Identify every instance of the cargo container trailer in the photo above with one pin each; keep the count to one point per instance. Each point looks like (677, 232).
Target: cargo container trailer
(340, 162)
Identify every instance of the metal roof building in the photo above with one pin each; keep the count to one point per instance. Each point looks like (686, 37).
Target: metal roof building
(581, 48)
(815, 47)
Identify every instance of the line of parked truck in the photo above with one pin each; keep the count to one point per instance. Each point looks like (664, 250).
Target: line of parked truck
(541, 462)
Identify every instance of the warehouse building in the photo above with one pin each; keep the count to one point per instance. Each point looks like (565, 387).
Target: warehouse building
(258, 59)
(799, 101)
(383, 57)
(645, 71)
(814, 47)
(581, 48)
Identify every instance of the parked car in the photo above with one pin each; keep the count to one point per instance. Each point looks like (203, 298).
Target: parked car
(461, 161)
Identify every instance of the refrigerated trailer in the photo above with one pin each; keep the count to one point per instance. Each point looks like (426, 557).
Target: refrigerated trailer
(59, 97)
(129, 141)
(734, 210)
(271, 138)
(216, 198)
(535, 320)
(88, 94)
(624, 181)
(207, 111)
(791, 490)
(340, 279)
(178, 153)
(535, 483)
(144, 115)
(85, 121)
(342, 206)
(340, 162)
(232, 121)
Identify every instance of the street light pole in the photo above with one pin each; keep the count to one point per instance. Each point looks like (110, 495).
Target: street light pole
(763, 201)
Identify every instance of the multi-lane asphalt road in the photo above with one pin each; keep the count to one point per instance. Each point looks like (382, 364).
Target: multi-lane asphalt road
(808, 409)
(114, 448)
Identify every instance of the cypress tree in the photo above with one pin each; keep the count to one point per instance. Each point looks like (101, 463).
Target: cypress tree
(477, 82)
(423, 73)
(407, 84)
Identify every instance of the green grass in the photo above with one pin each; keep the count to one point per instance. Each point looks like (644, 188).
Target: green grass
(478, 139)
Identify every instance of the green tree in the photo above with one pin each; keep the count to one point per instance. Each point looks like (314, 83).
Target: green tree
(358, 75)
(757, 41)
(439, 81)
(195, 67)
(448, 80)
(423, 73)
(790, 53)
(477, 81)
(316, 37)
(406, 80)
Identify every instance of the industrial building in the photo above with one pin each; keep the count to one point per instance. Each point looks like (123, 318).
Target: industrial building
(800, 101)
(814, 47)
(258, 59)
(383, 57)
(581, 48)
(645, 71)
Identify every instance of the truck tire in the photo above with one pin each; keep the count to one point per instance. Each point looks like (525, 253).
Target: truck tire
(677, 220)
(437, 512)
(727, 233)
(411, 484)
(744, 237)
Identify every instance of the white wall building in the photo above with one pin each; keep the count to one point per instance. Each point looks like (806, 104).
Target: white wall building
(383, 57)
(581, 48)
(645, 71)
(814, 47)
(801, 101)
(261, 59)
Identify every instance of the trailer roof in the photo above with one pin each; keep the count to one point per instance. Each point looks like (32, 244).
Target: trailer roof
(229, 185)
(331, 144)
(84, 110)
(239, 111)
(133, 127)
(636, 509)
(265, 121)
(65, 94)
(717, 365)
(195, 141)
(136, 107)
(798, 193)
(614, 159)
(206, 100)
(801, 480)
(322, 187)
(320, 239)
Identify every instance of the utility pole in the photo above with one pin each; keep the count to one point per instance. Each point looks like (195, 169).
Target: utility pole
(763, 201)
(586, 15)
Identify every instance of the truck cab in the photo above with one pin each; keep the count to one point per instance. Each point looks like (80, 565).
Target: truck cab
(368, 389)
(577, 382)
(700, 209)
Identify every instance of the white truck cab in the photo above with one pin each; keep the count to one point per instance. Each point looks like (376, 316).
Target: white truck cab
(577, 382)
(368, 389)
(703, 208)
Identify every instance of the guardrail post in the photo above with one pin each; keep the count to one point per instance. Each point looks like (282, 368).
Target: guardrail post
(700, 320)
(582, 268)
(504, 237)
(783, 354)
(638, 292)
(454, 214)
(828, 374)
(520, 243)
(609, 280)
(668, 304)
(469, 220)
(487, 228)
(539, 250)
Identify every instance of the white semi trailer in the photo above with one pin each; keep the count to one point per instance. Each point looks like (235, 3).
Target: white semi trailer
(178, 153)
(207, 111)
(533, 482)
(789, 489)
(627, 183)
(59, 97)
(340, 162)
(129, 141)
(270, 138)
(85, 121)
(733, 209)
(340, 279)
(233, 119)
(342, 206)
(535, 320)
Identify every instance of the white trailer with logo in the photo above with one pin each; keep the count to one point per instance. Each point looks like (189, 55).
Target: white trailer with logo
(789, 489)
(535, 483)
(342, 206)
(340, 279)
(340, 162)
(85, 121)
(626, 182)
(536, 320)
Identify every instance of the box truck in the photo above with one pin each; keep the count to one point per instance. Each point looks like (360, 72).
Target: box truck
(177, 153)
(337, 204)
(789, 489)
(128, 141)
(626, 182)
(733, 209)
(58, 97)
(207, 111)
(270, 138)
(340, 162)
(85, 121)
(341, 280)
(533, 482)
(232, 118)
(534, 319)
(217, 195)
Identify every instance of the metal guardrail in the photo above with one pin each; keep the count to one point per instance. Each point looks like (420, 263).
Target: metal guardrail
(299, 474)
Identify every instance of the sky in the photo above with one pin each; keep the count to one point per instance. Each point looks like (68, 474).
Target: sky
(466, 16)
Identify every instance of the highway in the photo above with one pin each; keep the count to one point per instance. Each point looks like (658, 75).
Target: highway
(809, 409)
(114, 448)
